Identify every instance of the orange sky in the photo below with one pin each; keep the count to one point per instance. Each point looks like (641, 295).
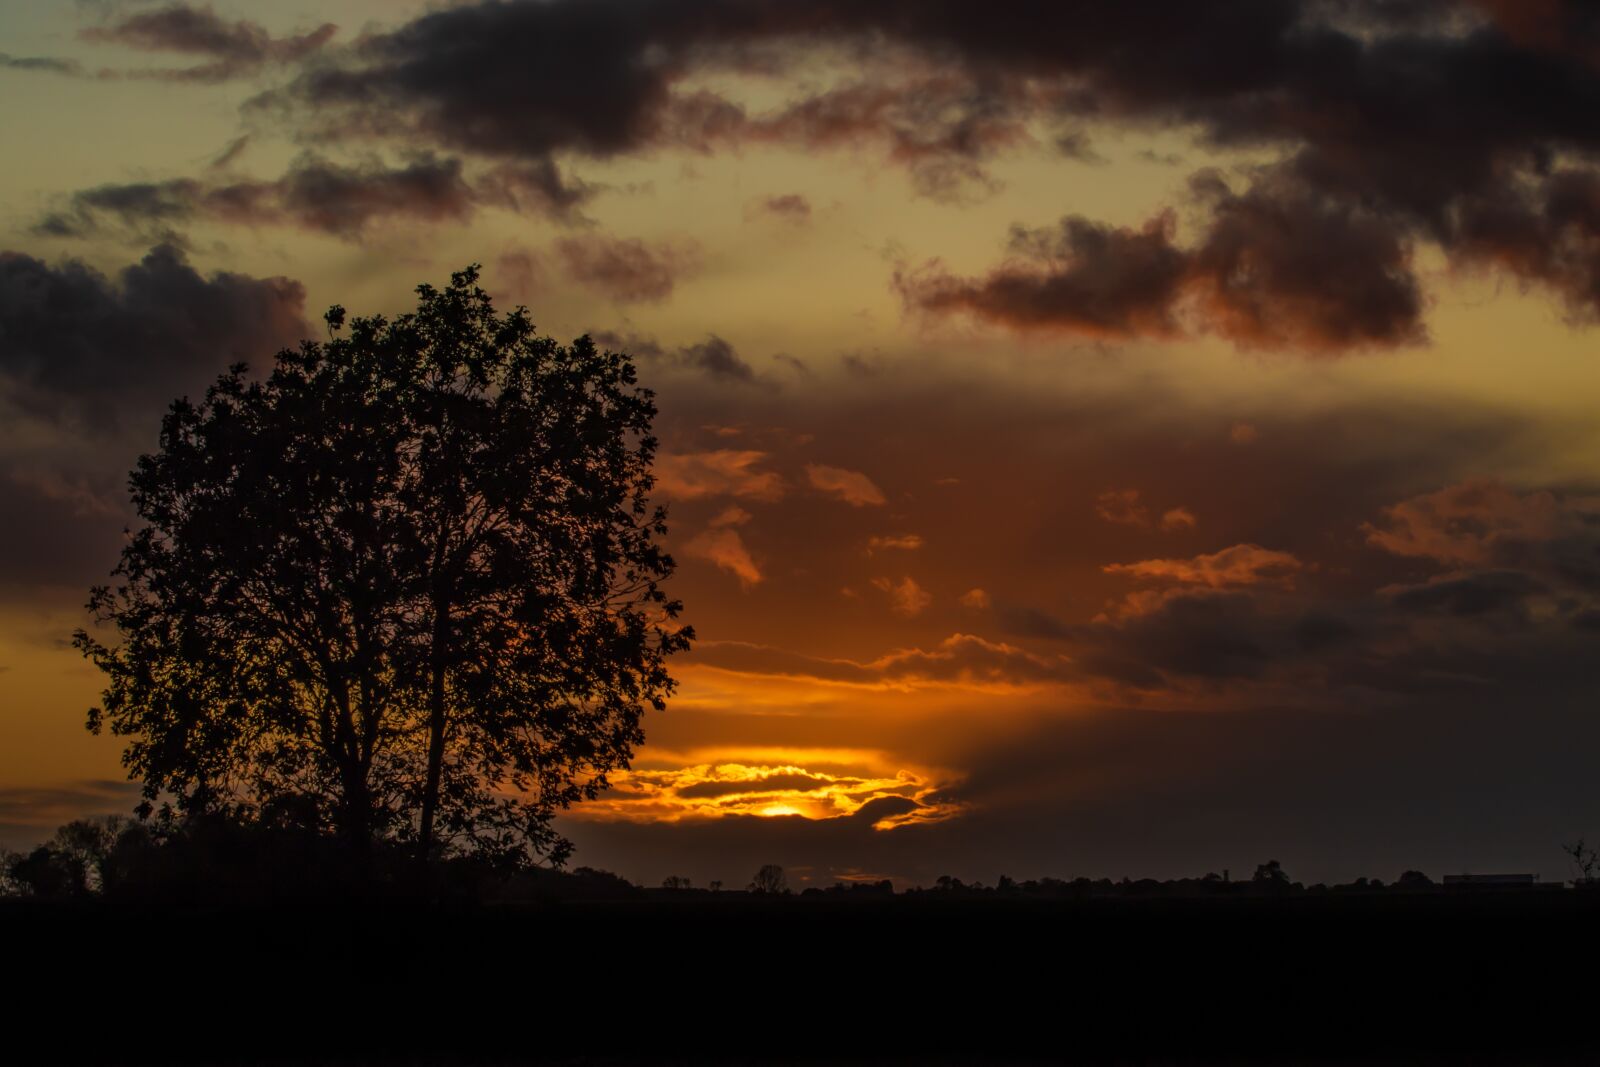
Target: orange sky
(1132, 446)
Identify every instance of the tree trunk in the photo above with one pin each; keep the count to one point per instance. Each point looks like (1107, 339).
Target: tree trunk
(436, 710)
(357, 824)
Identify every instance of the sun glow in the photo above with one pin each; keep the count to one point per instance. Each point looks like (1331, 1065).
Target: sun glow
(810, 784)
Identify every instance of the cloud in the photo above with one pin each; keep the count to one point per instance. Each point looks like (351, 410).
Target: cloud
(976, 599)
(1480, 522)
(1462, 126)
(790, 207)
(714, 358)
(320, 195)
(721, 544)
(1178, 519)
(1237, 565)
(45, 64)
(83, 347)
(535, 187)
(853, 487)
(906, 597)
(940, 127)
(1283, 267)
(805, 785)
(717, 359)
(723, 472)
(1121, 506)
(969, 659)
(236, 48)
(1280, 268)
(1470, 594)
(313, 194)
(901, 542)
(1185, 634)
(961, 659)
(1084, 278)
(628, 270)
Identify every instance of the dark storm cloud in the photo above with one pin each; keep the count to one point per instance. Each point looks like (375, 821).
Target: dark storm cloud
(78, 344)
(1465, 125)
(1084, 278)
(1279, 267)
(318, 195)
(236, 48)
(87, 366)
(342, 200)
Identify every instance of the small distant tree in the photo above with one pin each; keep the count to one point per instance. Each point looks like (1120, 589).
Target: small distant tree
(769, 879)
(676, 881)
(407, 587)
(1584, 858)
(1271, 873)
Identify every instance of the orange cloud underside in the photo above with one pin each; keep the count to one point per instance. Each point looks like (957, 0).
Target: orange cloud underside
(810, 783)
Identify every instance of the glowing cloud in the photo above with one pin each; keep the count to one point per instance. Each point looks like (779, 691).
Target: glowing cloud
(1178, 519)
(1238, 565)
(1471, 522)
(853, 487)
(809, 784)
(724, 472)
(906, 597)
(722, 545)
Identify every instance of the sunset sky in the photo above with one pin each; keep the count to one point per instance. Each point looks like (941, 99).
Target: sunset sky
(1100, 439)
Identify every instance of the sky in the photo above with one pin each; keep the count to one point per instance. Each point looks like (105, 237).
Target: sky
(1131, 440)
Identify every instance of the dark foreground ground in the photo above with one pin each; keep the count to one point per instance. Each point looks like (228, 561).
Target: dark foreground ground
(1436, 979)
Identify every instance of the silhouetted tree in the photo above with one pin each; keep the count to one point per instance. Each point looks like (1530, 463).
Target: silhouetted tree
(675, 881)
(1586, 859)
(81, 857)
(50, 873)
(406, 587)
(1272, 873)
(769, 879)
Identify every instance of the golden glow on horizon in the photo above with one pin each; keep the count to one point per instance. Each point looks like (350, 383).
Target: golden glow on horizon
(774, 783)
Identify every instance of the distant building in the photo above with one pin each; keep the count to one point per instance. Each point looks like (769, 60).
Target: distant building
(1491, 881)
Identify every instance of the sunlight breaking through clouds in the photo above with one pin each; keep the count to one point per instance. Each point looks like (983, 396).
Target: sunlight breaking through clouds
(812, 784)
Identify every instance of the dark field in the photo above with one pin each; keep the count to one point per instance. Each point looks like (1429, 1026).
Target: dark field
(1483, 977)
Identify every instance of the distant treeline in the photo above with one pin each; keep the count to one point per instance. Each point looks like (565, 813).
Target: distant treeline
(202, 859)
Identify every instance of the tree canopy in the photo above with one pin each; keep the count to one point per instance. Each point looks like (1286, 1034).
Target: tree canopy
(407, 587)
